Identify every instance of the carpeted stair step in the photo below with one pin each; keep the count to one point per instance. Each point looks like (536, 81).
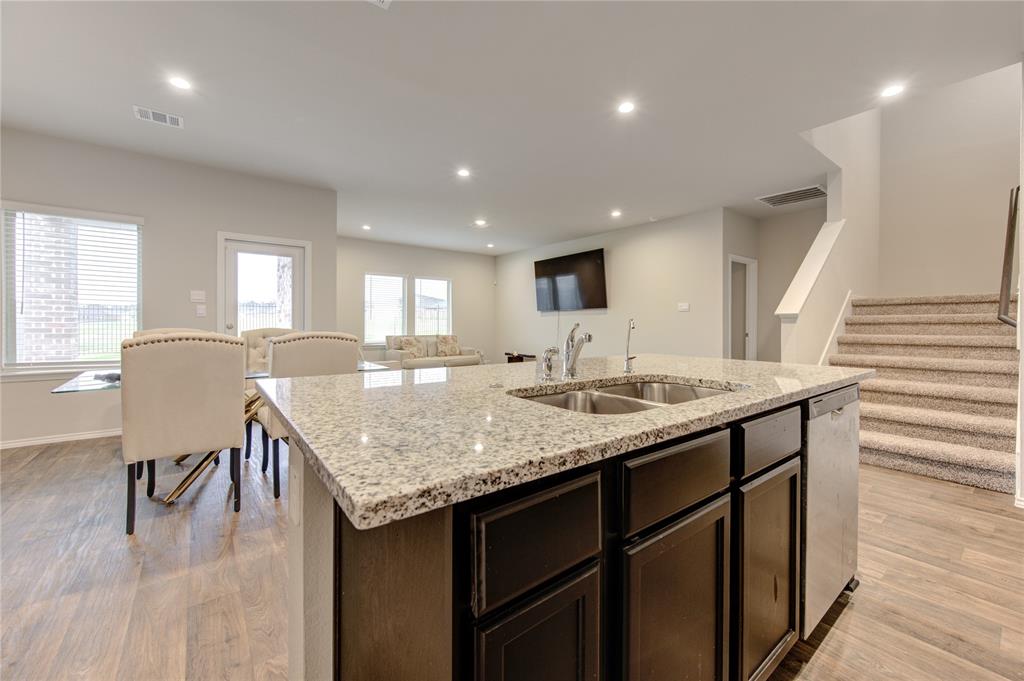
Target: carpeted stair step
(953, 347)
(966, 399)
(959, 304)
(973, 324)
(978, 372)
(964, 464)
(970, 430)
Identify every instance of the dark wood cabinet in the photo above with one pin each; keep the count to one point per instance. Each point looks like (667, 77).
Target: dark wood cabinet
(524, 543)
(767, 570)
(676, 605)
(555, 637)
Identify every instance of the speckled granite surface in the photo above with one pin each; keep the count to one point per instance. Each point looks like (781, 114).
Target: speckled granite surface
(393, 444)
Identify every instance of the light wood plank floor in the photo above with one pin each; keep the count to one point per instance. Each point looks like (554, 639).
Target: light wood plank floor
(198, 592)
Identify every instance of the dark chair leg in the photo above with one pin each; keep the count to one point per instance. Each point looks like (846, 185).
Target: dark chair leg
(138, 471)
(248, 439)
(236, 467)
(216, 460)
(277, 468)
(130, 516)
(151, 482)
(231, 466)
(266, 448)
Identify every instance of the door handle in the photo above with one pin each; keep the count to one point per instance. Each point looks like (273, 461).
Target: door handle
(229, 326)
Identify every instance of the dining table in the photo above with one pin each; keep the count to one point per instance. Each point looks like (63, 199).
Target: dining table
(110, 379)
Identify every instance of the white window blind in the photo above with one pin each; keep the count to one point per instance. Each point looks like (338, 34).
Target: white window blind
(433, 306)
(384, 307)
(71, 288)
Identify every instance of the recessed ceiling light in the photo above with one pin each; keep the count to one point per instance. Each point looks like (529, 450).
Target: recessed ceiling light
(180, 83)
(463, 172)
(490, 245)
(893, 90)
(626, 106)
(480, 222)
(367, 228)
(616, 213)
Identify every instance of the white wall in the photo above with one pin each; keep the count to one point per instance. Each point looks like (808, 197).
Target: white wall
(851, 264)
(949, 159)
(649, 269)
(472, 276)
(183, 205)
(782, 242)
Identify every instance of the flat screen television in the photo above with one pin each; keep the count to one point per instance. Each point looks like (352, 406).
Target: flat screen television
(571, 282)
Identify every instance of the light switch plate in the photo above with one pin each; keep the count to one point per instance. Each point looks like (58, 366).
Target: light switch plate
(683, 307)
(200, 310)
(197, 296)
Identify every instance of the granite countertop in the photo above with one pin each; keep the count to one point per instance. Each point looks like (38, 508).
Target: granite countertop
(393, 444)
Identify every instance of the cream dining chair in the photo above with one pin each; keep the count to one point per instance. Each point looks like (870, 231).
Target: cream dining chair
(181, 393)
(256, 362)
(317, 353)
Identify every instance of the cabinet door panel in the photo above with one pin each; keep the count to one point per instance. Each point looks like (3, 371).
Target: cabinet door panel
(769, 561)
(677, 600)
(553, 638)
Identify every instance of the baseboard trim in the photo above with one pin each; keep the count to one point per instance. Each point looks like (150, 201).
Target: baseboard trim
(64, 437)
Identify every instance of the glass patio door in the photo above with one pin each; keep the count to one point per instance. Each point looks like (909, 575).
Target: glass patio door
(264, 286)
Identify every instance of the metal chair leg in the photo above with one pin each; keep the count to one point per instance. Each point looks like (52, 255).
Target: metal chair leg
(277, 468)
(266, 448)
(248, 439)
(130, 515)
(236, 467)
(151, 482)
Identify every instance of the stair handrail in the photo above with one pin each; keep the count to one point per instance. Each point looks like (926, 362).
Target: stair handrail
(1007, 281)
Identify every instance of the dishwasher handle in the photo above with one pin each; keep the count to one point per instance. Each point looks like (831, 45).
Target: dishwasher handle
(833, 401)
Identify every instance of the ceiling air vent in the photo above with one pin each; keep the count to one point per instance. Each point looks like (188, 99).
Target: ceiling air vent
(159, 117)
(794, 196)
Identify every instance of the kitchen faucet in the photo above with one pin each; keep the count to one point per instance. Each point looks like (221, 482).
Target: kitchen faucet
(572, 349)
(628, 366)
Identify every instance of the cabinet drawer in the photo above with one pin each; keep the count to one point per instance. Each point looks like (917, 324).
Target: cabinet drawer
(661, 483)
(523, 543)
(766, 440)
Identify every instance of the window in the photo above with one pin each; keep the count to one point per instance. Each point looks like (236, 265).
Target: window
(384, 307)
(71, 288)
(433, 306)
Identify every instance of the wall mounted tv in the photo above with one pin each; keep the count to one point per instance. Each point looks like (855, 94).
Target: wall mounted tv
(571, 282)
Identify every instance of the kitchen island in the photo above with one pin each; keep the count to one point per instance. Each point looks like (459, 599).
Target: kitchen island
(444, 525)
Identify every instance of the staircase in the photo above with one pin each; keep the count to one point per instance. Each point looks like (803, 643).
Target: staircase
(944, 402)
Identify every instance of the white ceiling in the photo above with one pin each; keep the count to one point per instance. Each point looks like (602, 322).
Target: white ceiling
(384, 105)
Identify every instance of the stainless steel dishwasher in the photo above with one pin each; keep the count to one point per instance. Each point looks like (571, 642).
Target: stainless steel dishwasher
(830, 494)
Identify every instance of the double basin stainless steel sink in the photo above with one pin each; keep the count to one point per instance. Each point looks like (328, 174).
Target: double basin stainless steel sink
(626, 398)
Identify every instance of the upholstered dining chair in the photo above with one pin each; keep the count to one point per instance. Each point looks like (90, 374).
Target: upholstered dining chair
(317, 353)
(256, 361)
(181, 393)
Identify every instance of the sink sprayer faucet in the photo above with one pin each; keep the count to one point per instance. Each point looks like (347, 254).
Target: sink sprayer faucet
(547, 362)
(628, 365)
(572, 349)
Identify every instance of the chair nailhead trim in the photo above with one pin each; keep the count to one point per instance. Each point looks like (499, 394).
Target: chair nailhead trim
(149, 340)
(346, 338)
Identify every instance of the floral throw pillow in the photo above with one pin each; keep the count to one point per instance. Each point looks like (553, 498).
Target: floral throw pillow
(448, 346)
(412, 345)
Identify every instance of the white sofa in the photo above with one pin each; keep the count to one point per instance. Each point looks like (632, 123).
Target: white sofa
(427, 354)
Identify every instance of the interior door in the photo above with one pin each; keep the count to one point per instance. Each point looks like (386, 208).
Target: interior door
(264, 286)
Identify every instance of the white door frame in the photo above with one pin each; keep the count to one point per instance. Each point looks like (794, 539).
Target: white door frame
(751, 344)
(307, 250)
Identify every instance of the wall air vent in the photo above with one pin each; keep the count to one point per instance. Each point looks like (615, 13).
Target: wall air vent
(158, 117)
(794, 196)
